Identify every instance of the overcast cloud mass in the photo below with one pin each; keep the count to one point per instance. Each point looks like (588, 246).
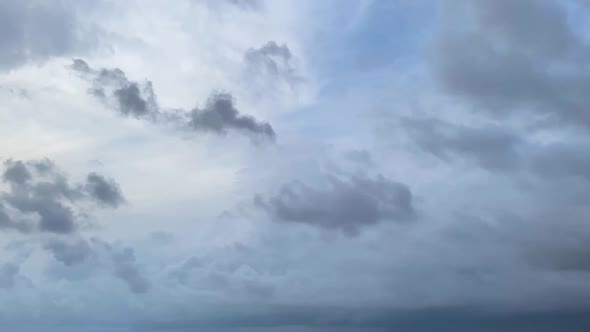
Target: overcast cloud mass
(294, 166)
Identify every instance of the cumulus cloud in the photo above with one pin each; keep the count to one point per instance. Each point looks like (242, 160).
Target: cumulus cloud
(514, 57)
(347, 205)
(40, 198)
(38, 30)
(138, 100)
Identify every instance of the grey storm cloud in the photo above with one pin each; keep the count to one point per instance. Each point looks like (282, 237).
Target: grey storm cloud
(33, 31)
(509, 57)
(37, 190)
(138, 100)
(342, 204)
(274, 60)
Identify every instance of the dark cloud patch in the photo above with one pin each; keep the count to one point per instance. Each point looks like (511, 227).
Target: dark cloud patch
(112, 87)
(34, 31)
(500, 148)
(126, 269)
(40, 198)
(69, 253)
(105, 191)
(346, 205)
(492, 147)
(511, 57)
(131, 101)
(138, 100)
(16, 172)
(8, 273)
(220, 115)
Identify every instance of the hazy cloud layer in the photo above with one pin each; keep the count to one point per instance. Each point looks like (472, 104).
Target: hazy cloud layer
(38, 30)
(138, 100)
(126, 269)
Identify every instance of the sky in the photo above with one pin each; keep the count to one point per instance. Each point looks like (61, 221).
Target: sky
(294, 165)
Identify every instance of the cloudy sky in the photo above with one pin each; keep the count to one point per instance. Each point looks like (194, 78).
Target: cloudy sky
(294, 165)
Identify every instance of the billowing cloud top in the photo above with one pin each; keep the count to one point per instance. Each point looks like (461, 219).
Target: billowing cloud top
(416, 166)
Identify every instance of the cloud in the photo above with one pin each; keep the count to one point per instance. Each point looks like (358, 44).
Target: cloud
(501, 148)
(126, 269)
(138, 100)
(8, 273)
(514, 57)
(113, 87)
(34, 31)
(492, 147)
(220, 115)
(105, 191)
(40, 198)
(273, 60)
(83, 258)
(69, 253)
(347, 205)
